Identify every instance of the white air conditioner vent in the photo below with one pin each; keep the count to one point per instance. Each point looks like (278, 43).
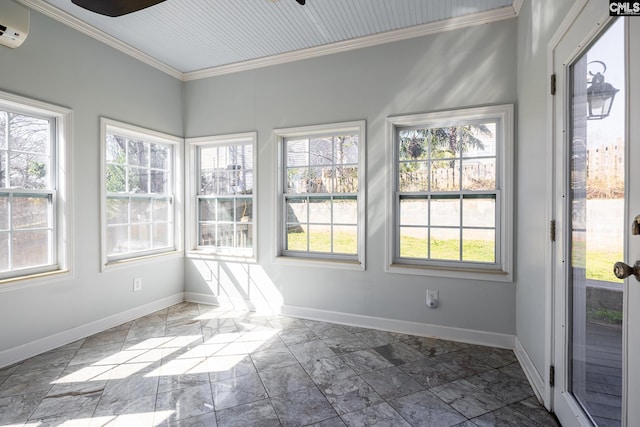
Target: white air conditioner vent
(14, 23)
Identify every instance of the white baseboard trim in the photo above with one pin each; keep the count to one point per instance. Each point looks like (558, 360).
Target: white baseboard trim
(534, 377)
(201, 298)
(33, 348)
(469, 336)
(235, 303)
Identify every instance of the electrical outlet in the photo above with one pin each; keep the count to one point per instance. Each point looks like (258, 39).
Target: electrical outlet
(432, 298)
(137, 284)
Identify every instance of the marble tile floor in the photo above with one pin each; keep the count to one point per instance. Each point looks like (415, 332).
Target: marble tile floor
(198, 365)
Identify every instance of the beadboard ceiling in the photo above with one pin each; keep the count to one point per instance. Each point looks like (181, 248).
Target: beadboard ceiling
(192, 39)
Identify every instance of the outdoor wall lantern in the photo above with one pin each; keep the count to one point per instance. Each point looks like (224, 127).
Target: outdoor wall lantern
(600, 95)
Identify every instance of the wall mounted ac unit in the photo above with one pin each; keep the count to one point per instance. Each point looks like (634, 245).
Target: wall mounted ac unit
(14, 23)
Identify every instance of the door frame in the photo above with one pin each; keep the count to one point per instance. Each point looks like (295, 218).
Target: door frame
(556, 398)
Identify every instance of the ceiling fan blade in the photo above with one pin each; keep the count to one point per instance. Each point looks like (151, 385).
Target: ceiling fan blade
(115, 7)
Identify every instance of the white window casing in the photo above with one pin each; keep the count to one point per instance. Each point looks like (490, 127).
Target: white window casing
(141, 186)
(222, 206)
(35, 197)
(440, 164)
(321, 205)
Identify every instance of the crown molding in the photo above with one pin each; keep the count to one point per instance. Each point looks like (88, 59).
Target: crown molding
(487, 17)
(517, 5)
(73, 22)
(430, 28)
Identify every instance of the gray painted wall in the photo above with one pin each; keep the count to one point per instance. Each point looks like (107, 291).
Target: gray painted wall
(59, 65)
(537, 23)
(463, 68)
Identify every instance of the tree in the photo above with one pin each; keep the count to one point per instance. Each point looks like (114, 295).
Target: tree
(419, 145)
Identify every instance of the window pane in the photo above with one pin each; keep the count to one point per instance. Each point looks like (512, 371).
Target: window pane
(445, 244)
(31, 248)
(320, 238)
(297, 153)
(207, 210)
(140, 237)
(161, 235)
(116, 149)
(116, 179)
(117, 211)
(321, 150)
(225, 210)
(346, 150)
(138, 180)
(345, 211)
(345, 239)
(30, 212)
(315, 182)
(478, 245)
(297, 237)
(161, 210)
(160, 156)
(296, 210)
(479, 174)
(413, 176)
(4, 251)
(346, 179)
(297, 180)
(160, 182)
(244, 209)
(481, 140)
(140, 210)
(29, 134)
(28, 171)
(138, 153)
(4, 211)
(413, 145)
(445, 212)
(479, 212)
(117, 240)
(414, 242)
(225, 236)
(207, 235)
(414, 211)
(320, 211)
(445, 175)
(3, 126)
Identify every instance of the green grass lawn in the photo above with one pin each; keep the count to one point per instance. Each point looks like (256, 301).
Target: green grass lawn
(599, 263)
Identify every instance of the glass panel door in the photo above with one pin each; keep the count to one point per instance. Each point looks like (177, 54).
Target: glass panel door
(597, 206)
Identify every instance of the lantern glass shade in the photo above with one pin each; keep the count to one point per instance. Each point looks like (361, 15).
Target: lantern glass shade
(600, 96)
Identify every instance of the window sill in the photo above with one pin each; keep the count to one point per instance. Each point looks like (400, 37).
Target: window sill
(336, 264)
(145, 259)
(455, 273)
(35, 279)
(214, 256)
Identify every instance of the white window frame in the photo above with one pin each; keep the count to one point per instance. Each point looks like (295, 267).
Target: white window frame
(193, 185)
(313, 258)
(502, 269)
(149, 136)
(59, 193)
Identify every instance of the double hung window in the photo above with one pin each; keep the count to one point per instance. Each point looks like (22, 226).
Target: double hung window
(139, 182)
(452, 191)
(33, 197)
(224, 186)
(322, 192)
